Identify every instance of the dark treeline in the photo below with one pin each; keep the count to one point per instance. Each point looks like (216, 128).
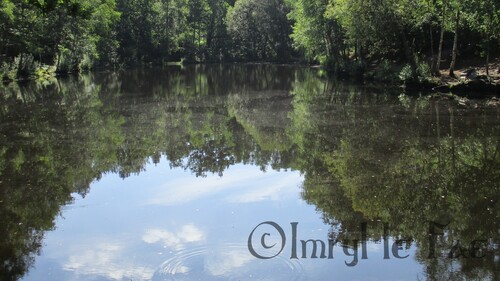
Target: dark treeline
(351, 36)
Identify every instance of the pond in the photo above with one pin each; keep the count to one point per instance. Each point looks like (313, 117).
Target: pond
(245, 172)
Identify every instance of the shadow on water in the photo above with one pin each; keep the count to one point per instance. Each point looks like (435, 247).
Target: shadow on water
(402, 165)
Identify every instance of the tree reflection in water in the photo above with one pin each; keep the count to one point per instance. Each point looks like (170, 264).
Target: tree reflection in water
(367, 154)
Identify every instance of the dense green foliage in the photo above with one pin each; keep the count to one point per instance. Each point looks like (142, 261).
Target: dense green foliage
(348, 35)
(70, 35)
(260, 30)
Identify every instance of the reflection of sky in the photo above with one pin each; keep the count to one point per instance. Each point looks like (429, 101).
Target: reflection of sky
(161, 222)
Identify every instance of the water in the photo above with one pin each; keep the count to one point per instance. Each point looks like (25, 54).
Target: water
(245, 172)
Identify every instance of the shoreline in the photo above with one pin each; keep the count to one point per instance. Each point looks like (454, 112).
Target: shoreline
(480, 86)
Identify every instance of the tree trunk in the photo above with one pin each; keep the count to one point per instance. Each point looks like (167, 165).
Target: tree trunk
(58, 64)
(167, 27)
(20, 66)
(360, 54)
(356, 50)
(433, 63)
(441, 39)
(407, 49)
(488, 58)
(455, 45)
(488, 43)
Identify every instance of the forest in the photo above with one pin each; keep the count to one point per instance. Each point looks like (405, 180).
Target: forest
(352, 37)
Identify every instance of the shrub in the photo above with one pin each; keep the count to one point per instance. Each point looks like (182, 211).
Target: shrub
(406, 74)
(423, 71)
(7, 72)
(420, 73)
(385, 72)
(348, 68)
(63, 61)
(86, 63)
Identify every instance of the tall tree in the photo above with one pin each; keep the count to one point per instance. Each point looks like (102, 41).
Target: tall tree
(217, 35)
(135, 30)
(169, 33)
(311, 30)
(66, 33)
(455, 40)
(260, 30)
(198, 21)
(444, 6)
(484, 17)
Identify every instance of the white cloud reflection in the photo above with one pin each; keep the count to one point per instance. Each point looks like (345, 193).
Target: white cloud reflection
(187, 234)
(241, 186)
(106, 260)
(227, 262)
(275, 190)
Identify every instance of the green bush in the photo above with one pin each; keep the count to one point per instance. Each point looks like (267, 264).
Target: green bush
(406, 74)
(423, 71)
(63, 61)
(86, 63)
(23, 66)
(71, 62)
(385, 72)
(419, 73)
(7, 72)
(45, 73)
(348, 68)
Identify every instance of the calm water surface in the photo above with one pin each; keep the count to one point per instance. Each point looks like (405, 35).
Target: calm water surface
(254, 172)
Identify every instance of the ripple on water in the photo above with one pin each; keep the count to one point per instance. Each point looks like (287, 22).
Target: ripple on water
(226, 262)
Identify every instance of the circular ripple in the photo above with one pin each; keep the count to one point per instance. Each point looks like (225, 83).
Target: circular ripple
(226, 262)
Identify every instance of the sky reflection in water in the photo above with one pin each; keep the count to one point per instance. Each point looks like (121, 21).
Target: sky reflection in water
(133, 229)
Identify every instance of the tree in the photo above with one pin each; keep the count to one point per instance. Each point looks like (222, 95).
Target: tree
(484, 17)
(69, 34)
(198, 21)
(371, 33)
(457, 7)
(218, 39)
(260, 30)
(169, 35)
(444, 6)
(104, 22)
(135, 30)
(313, 31)
(6, 19)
